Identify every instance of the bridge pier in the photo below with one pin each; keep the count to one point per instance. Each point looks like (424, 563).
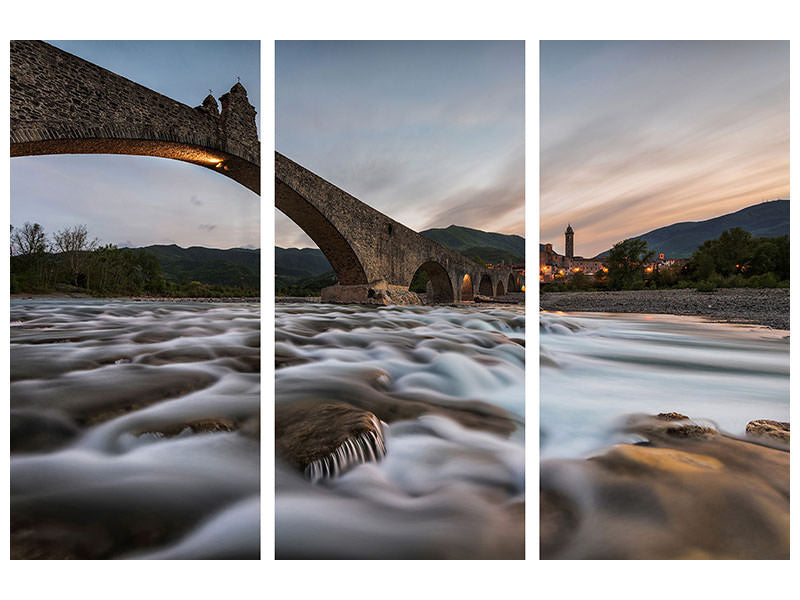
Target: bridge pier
(378, 292)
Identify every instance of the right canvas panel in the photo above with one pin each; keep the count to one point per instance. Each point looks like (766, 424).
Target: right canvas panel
(664, 277)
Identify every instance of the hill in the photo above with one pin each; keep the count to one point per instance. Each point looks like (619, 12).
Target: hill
(680, 240)
(234, 267)
(300, 263)
(465, 240)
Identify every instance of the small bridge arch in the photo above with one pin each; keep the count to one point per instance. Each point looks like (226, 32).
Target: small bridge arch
(440, 286)
(467, 289)
(485, 287)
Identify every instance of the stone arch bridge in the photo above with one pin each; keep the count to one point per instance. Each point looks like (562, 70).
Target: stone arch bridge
(62, 104)
(371, 252)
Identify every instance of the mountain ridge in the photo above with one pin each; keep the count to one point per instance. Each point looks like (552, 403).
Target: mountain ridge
(679, 240)
(230, 267)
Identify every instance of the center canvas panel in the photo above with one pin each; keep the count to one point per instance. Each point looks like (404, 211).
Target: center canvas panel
(400, 319)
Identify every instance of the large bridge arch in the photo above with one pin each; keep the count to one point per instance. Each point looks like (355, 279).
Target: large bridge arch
(62, 104)
(326, 236)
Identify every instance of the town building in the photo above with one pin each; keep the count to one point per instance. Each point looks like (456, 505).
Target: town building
(553, 265)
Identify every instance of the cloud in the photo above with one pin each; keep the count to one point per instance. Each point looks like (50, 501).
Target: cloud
(427, 133)
(684, 132)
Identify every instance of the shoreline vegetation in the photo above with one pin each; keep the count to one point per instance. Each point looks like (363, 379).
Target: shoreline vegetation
(78, 296)
(70, 264)
(734, 260)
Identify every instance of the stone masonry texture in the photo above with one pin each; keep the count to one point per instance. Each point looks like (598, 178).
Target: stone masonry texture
(63, 104)
(364, 246)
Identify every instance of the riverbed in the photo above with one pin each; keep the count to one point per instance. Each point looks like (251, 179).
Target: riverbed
(416, 417)
(134, 429)
(644, 447)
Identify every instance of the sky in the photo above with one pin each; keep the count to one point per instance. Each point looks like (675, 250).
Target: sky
(135, 200)
(639, 135)
(429, 133)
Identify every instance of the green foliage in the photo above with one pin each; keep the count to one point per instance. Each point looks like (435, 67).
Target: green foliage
(419, 282)
(705, 286)
(462, 239)
(489, 255)
(626, 263)
(302, 287)
(77, 264)
(233, 268)
(737, 259)
(578, 282)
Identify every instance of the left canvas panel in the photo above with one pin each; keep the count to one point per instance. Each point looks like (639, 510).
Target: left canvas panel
(135, 315)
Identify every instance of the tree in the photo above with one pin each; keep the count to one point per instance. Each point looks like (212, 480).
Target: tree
(29, 255)
(626, 263)
(74, 243)
(28, 240)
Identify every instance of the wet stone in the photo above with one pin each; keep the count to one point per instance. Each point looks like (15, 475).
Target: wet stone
(776, 430)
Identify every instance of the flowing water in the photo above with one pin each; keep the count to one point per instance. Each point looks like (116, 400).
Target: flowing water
(659, 487)
(134, 429)
(443, 390)
(596, 369)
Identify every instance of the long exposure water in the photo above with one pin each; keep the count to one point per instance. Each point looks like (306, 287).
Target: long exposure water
(595, 369)
(448, 386)
(134, 429)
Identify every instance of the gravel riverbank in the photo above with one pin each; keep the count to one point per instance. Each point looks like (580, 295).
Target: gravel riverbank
(768, 307)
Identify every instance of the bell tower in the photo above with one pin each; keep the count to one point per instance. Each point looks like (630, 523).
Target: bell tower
(569, 242)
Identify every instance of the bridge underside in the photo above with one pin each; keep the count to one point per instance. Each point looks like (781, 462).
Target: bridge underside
(332, 243)
(242, 171)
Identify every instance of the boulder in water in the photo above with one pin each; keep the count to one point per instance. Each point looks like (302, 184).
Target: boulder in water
(777, 430)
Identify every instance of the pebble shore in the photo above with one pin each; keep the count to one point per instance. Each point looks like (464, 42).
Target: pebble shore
(769, 307)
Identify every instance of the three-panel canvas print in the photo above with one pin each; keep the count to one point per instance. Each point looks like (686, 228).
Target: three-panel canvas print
(398, 374)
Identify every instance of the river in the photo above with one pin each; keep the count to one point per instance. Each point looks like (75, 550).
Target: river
(134, 429)
(596, 369)
(442, 390)
(625, 474)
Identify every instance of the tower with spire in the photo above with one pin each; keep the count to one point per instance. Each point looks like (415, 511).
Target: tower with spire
(569, 242)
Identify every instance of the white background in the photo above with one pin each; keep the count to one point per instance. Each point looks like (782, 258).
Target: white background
(410, 19)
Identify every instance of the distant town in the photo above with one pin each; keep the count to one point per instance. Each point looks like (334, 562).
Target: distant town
(554, 266)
